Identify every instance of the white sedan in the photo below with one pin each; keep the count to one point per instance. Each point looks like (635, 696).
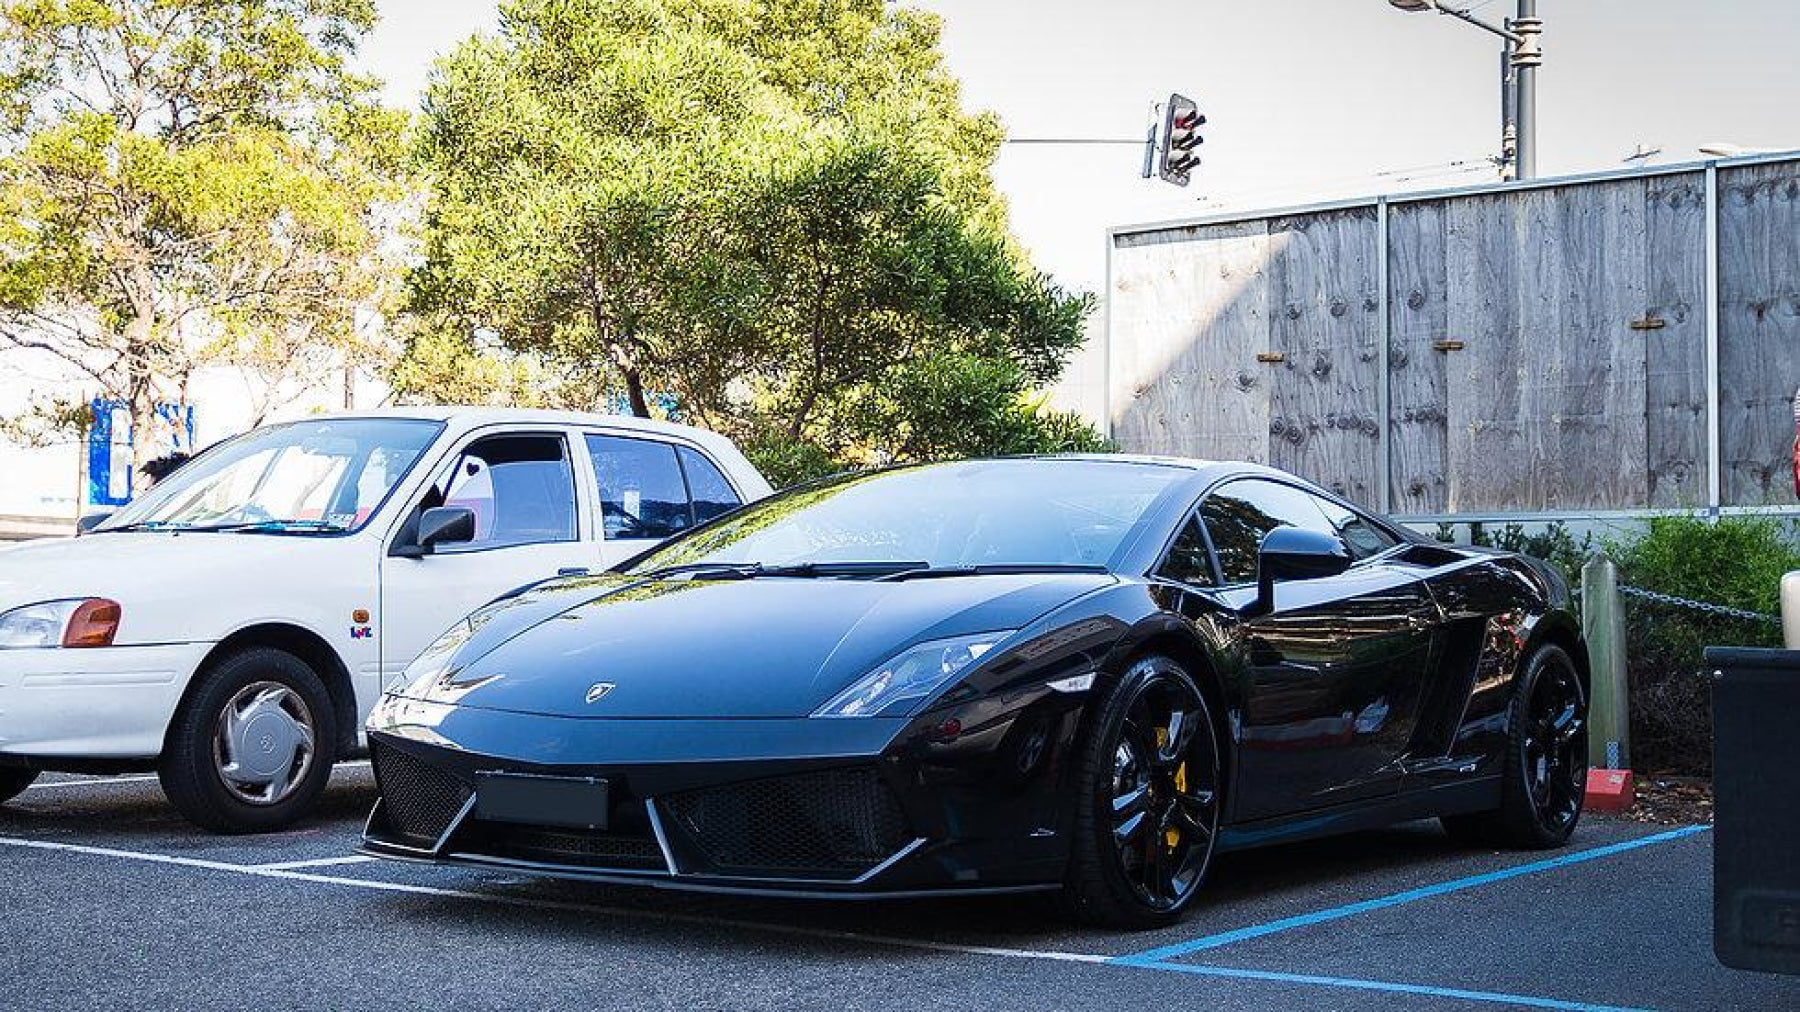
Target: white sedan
(233, 628)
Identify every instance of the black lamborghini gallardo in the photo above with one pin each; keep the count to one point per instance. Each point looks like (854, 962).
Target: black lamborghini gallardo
(1086, 674)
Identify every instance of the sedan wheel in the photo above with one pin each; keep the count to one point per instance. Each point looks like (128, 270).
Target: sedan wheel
(263, 744)
(13, 783)
(1151, 818)
(252, 746)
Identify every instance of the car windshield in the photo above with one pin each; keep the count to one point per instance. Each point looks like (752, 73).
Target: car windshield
(327, 475)
(989, 513)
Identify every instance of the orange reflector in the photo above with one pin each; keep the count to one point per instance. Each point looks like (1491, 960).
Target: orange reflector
(359, 616)
(94, 624)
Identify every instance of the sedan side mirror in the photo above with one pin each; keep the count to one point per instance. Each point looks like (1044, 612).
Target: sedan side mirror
(445, 525)
(1292, 553)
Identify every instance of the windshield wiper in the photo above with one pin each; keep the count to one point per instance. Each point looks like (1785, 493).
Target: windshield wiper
(753, 570)
(925, 572)
(143, 525)
(273, 527)
(704, 571)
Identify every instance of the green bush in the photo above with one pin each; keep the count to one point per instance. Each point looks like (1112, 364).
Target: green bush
(1734, 561)
(787, 461)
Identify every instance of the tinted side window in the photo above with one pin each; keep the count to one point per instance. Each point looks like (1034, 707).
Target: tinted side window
(710, 492)
(520, 488)
(641, 491)
(1241, 512)
(1362, 535)
(1188, 561)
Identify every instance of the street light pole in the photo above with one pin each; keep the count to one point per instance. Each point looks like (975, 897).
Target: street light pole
(1518, 89)
(1527, 56)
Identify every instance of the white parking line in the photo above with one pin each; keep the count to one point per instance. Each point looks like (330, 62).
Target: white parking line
(323, 862)
(148, 777)
(267, 871)
(93, 782)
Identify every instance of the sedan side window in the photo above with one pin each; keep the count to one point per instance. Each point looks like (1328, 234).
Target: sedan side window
(1188, 560)
(1241, 512)
(710, 492)
(521, 489)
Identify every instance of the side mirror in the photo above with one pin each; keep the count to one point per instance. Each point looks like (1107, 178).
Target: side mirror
(89, 521)
(1290, 553)
(445, 525)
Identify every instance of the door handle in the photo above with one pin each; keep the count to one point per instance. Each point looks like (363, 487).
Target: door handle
(572, 571)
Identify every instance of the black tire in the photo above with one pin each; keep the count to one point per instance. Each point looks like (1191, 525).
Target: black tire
(1139, 863)
(13, 783)
(1544, 777)
(264, 686)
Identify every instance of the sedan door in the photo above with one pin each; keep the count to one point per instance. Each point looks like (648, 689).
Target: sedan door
(1332, 678)
(521, 487)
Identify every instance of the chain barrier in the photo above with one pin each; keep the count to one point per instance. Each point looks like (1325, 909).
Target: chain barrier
(1699, 606)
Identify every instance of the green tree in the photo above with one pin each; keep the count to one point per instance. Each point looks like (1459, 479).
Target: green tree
(189, 182)
(779, 214)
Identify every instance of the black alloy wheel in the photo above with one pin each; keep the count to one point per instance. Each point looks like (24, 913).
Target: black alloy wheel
(1555, 746)
(1149, 816)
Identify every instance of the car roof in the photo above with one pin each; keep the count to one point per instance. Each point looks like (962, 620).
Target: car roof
(470, 417)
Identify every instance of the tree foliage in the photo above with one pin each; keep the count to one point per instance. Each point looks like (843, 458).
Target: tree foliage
(189, 182)
(777, 214)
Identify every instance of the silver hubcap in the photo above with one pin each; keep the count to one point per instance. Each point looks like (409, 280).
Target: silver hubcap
(263, 744)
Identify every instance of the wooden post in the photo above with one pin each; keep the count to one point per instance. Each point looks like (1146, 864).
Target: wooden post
(1603, 624)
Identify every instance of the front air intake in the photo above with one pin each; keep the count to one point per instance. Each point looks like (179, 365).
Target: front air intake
(420, 800)
(833, 824)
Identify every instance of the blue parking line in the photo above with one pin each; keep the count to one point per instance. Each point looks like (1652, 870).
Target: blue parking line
(1411, 895)
(1382, 986)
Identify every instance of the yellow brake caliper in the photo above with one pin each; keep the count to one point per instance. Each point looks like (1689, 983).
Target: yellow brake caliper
(1172, 836)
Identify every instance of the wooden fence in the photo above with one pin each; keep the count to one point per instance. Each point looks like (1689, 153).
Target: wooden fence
(1613, 342)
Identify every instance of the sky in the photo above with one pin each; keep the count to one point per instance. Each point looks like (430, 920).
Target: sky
(1305, 99)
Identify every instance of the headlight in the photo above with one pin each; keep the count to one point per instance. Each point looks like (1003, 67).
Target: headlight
(79, 622)
(434, 660)
(911, 676)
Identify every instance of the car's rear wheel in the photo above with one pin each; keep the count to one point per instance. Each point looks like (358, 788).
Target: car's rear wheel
(1544, 777)
(13, 783)
(251, 749)
(1148, 803)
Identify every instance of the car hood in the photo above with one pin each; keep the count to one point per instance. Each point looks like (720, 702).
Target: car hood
(155, 575)
(769, 647)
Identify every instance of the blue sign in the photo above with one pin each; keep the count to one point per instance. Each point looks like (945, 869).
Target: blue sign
(109, 477)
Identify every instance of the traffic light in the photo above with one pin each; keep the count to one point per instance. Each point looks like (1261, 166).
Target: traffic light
(1182, 121)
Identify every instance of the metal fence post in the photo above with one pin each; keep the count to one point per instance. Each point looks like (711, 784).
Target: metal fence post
(1603, 624)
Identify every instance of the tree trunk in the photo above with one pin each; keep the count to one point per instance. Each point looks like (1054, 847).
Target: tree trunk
(634, 389)
(140, 397)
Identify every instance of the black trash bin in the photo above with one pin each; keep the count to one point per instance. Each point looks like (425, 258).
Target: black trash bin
(1756, 788)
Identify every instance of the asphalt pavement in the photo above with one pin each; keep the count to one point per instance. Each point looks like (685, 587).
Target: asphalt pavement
(108, 899)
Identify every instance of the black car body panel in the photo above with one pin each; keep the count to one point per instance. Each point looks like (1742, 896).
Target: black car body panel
(1364, 698)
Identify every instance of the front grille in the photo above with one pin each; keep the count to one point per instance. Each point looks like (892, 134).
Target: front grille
(830, 824)
(421, 800)
(596, 850)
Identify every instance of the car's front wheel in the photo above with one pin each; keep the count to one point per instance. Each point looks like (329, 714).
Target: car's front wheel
(13, 783)
(251, 749)
(1147, 812)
